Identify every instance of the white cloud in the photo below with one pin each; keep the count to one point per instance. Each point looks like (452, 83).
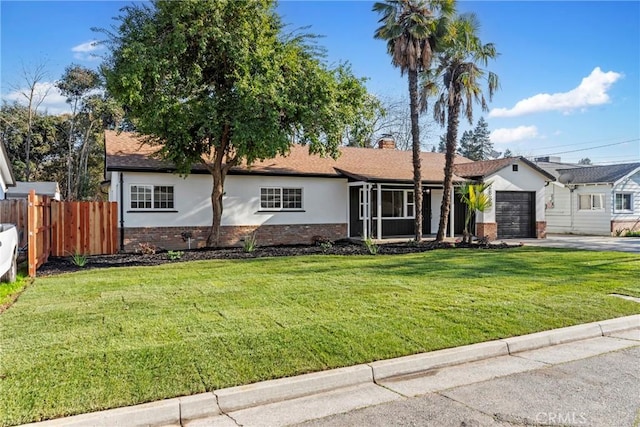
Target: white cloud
(591, 91)
(506, 135)
(53, 103)
(87, 51)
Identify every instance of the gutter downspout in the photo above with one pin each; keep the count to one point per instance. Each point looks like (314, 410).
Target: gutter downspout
(121, 212)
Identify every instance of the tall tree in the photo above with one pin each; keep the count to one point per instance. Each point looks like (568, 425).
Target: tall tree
(482, 140)
(76, 84)
(585, 161)
(507, 153)
(34, 93)
(442, 144)
(411, 29)
(219, 82)
(459, 66)
(468, 147)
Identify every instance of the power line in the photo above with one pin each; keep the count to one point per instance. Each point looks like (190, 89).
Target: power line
(576, 143)
(592, 148)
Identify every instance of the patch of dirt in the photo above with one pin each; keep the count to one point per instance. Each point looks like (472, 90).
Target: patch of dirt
(58, 265)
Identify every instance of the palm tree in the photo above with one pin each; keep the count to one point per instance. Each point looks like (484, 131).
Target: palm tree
(476, 199)
(410, 28)
(460, 75)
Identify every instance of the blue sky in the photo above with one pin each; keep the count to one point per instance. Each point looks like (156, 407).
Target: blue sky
(569, 71)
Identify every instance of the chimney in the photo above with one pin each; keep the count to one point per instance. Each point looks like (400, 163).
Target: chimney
(386, 142)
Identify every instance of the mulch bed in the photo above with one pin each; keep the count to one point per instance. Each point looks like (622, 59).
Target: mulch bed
(58, 265)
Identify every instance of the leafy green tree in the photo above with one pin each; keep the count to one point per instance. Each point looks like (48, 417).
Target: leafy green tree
(77, 83)
(459, 68)
(586, 161)
(220, 82)
(411, 29)
(475, 198)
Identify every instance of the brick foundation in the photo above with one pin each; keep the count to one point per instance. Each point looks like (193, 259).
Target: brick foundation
(541, 229)
(618, 226)
(170, 238)
(487, 229)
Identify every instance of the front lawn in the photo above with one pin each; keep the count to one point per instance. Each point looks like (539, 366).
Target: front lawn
(105, 338)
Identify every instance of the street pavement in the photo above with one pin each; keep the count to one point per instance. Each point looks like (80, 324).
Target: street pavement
(601, 390)
(594, 243)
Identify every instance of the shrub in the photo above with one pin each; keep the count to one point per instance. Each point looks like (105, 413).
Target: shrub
(78, 259)
(326, 246)
(372, 247)
(174, 255)
(147, 248)
(250, 243)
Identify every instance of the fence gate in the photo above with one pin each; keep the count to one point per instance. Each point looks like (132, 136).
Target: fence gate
(39, 227)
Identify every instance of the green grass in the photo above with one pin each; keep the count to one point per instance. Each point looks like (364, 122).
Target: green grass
(10, 291)
(99, 339)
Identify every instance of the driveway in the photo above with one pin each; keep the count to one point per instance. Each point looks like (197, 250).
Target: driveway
(592, 243)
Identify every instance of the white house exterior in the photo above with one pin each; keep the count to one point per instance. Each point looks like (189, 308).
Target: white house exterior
(594, 200)
(517, 192)
(6, 172)
(290, 199)
(42, 188)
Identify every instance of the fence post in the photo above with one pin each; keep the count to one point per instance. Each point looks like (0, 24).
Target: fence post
(32, 230)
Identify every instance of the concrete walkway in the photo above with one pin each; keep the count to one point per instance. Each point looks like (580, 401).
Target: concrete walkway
(310, 397)
(593, 243)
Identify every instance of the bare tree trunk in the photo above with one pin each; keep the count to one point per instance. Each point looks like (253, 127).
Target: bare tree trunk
(29, 135)
(452, 137)
(415, 134)
(70, 153)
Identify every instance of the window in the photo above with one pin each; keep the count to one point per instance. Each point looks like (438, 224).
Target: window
(624, 202)
(591, 202)
(514, 168)
(395, 204)
(151, 197)
(277, 198)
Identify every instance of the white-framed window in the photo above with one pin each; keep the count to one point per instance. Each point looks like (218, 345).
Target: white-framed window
(280, 198)
(396, 204)
(150, 197)
(591, 202)
(624, 202)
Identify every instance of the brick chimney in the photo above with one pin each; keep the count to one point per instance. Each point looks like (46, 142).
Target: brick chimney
(386, 142)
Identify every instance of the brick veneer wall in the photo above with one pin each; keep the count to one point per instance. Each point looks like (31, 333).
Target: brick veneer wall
(541, 229)
(622, 225)
(487, 229)
(490, 229)
(170, 238)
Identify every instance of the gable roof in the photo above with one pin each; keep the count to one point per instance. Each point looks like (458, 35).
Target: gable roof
(126, 152)
(484, 168)
(606, 174)
(554, 167)
(45, 188)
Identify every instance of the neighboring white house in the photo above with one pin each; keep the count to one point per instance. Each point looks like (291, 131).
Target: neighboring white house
(6, 172)
(42, 188)
(593, 200)
(366, 192)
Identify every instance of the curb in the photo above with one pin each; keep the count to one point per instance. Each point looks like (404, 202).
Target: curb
(178, 410)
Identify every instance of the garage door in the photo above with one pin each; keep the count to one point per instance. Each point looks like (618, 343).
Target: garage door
(515, 214)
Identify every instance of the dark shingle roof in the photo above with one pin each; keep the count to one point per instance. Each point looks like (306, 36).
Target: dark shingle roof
(607, 174)
(481, 169)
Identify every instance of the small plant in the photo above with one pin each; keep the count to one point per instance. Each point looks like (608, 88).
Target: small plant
(78, 259)
(147, 248)
(620, 232)
(633, 234)
(250, 243)
(372, 247)
(174, 255)
(326, 246)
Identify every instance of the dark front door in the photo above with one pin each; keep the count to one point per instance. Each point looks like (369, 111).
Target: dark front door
(515, 214)
(426, 212)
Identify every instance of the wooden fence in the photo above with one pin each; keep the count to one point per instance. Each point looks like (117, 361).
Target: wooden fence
(15, 212)
(52, 228)
(39, 227)
(88, 228)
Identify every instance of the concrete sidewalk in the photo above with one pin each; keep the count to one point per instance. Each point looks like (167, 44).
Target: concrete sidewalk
(313, 396)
